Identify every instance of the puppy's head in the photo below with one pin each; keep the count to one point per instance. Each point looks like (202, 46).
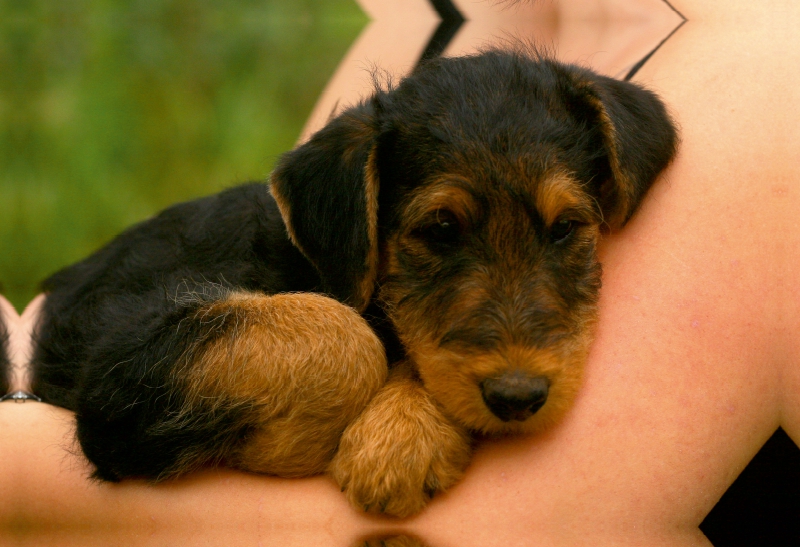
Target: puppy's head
(472, 198)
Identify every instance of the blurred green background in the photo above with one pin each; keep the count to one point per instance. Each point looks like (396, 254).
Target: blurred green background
(111, 110)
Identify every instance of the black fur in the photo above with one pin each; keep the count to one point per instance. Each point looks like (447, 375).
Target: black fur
(324, 182)
(115, 325)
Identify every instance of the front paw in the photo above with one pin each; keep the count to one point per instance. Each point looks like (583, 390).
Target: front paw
(399, 452)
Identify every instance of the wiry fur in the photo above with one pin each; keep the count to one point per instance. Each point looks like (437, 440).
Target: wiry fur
(458, 213)
(420, 450)
(316, 349)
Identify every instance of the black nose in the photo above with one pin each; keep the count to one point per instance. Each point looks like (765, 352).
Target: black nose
(515, 395)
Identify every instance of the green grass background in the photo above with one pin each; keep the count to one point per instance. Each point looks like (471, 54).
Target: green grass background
(111, 110)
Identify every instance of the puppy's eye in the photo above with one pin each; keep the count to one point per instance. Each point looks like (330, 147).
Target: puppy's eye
(444, 229)
(561, 229)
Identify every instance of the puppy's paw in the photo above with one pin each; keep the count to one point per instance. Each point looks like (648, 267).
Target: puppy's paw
(400, 452)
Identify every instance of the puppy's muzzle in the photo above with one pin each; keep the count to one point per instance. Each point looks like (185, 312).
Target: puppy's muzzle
(515, 395)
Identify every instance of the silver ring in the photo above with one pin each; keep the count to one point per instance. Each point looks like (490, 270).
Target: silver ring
(20, 397)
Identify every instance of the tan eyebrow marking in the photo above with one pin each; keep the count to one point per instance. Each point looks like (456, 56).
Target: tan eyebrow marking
(560, 192)
(448, 194)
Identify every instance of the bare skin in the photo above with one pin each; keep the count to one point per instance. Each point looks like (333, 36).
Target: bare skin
(692, 370)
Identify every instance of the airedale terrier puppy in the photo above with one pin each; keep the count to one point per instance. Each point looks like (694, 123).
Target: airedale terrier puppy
(450, 222)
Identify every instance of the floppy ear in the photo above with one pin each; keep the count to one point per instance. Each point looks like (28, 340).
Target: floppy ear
(327, 193)
(639, 137)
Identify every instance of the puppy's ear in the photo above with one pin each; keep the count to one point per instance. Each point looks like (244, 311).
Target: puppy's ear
(327, 193)
(639, 137)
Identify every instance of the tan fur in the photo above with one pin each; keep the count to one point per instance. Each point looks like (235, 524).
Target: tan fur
(448, 193)
(307, 364)
(401, 450)
(371, 185)
(624, 191)
(453, 378)
(285, 210)
(371, 193)
(559, 192)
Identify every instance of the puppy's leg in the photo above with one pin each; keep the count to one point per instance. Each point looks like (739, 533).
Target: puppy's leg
(264, 383)
(305, 365)
(401, 450)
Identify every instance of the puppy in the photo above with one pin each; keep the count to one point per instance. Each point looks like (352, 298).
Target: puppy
(451, 222)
